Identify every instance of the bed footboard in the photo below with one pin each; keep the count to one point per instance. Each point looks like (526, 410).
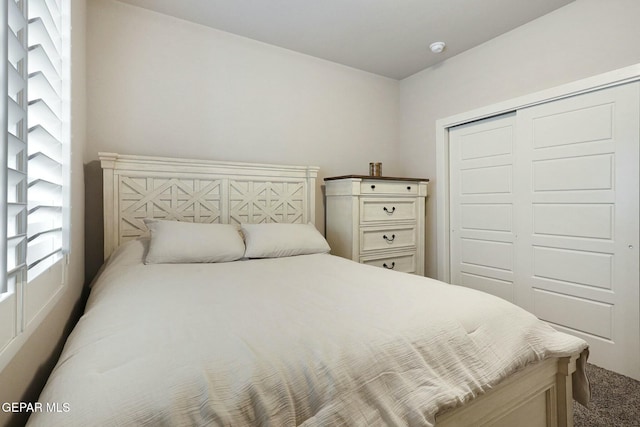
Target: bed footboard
(539, 395)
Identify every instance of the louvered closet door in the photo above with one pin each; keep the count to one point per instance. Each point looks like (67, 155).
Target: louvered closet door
(482, 234)
(578, 234)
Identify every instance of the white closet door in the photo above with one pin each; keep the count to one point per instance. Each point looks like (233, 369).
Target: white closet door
(577, 162)
(481, 235)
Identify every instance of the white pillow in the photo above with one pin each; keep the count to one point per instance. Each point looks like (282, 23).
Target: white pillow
(274, 240)
(187, 242)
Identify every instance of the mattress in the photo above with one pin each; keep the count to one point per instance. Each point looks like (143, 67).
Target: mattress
(306, 340)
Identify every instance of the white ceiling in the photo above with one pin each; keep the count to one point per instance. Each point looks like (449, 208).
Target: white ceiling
(386, 37)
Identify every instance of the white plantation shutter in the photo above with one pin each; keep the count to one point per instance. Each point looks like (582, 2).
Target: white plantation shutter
(14, 153)
(46, 135)
(34, 162)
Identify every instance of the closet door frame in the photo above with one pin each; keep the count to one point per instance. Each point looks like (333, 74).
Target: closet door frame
(601, 81)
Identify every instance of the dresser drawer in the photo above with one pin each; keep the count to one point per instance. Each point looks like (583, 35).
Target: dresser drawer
(405, 262)
(407, 188)
(377, 238)
(374, 209)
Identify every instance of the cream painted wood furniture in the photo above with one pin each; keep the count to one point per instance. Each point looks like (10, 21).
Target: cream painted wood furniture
(138, 187)
(539, 395)
(545, 213)
(377, 220)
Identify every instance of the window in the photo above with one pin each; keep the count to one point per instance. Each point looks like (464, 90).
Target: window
(34, 155)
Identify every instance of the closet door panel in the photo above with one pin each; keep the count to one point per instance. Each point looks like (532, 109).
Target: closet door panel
(577, 267)
(579, 314)
(574, 126)
(577, 211)
(497, 287)
(486, 180)
(588, 172)
(573, 220)
(481, 235)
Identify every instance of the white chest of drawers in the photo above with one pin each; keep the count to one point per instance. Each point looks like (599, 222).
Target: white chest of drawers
(377, 220)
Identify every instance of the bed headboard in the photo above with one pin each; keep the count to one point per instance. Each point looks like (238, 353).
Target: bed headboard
(139, 187)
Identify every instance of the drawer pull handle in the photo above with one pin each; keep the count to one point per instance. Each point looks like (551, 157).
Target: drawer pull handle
(389, 240)
(393, 264)
(409, 188)
(390, 212)
(373, 187)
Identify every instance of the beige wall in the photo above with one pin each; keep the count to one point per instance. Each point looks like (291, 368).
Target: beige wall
(162, 86)
(26, 374)
(582, 39)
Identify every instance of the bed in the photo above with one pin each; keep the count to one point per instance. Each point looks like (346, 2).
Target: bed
(285, 334)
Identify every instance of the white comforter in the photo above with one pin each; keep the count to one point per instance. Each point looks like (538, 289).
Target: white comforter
(312, 340)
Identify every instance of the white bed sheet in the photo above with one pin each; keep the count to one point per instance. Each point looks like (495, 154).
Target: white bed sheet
(308, 340)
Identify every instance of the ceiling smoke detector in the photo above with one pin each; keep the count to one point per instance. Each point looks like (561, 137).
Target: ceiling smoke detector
(437, 47)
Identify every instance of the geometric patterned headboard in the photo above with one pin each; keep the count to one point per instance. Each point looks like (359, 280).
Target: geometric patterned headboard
(138, 187)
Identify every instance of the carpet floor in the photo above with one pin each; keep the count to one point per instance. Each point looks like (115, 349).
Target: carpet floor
(615, 401)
